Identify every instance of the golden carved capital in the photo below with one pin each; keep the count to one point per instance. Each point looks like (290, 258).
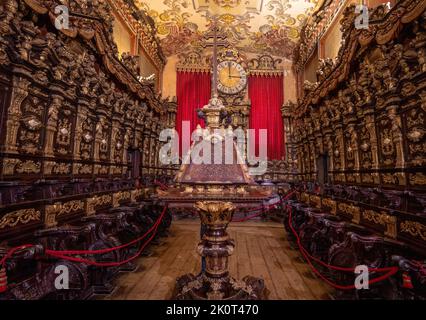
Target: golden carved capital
(215, 212)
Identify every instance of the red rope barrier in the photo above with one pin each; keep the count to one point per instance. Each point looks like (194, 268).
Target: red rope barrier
(249, 217)
(308, 257)
(107, 264)
(264, 209)
(9, 254)
(12, 251)
(3, 280)
(103, 251)
(161, 185)
(63, 254)
(390, 270)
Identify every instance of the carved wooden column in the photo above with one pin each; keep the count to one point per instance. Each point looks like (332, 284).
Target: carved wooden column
(114, 136)
(152, 142)
(288, 139)
(340, 152)
(126, 145)
(99, 138)
(312, 159)
(157, 149)
(137, 139)
(300, 162)
(19, 93)
(353, 148)
(52, 123)
(82, 114)
(370, 124)
(146, 146)
(397, 137)
(330, 150)
(171, 113)
(140, 139)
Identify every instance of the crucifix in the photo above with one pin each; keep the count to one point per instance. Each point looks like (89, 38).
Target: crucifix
(219, 40)
(204, 186)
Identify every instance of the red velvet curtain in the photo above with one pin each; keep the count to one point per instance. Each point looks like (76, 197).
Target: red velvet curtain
(267, 96)
(193, 92)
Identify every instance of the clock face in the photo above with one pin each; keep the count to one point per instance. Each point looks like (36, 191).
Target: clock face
(232, 78)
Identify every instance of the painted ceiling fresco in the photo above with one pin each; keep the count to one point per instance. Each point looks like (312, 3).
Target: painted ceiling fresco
(252, 26)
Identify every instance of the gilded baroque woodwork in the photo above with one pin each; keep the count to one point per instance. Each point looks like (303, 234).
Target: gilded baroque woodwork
(304, 197)
(24, 216)
(136, 194)
(194, 61)
(265, 65)
(315, 201)
(50, 213)
(27, 167)
(75, 114)
(70, 207)
(366, 111)
(383, 219)
(92, 204)
(56, 210)
(120, 196)
(251, 26)
(51, 126)
(19, 93)
(415, 229)
(351, 210)
(330, 204)
(417, 179)
(314, 27)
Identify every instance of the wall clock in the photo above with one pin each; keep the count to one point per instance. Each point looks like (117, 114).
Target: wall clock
(232, 78)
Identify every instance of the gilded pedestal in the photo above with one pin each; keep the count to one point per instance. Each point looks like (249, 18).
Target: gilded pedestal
(216, 246)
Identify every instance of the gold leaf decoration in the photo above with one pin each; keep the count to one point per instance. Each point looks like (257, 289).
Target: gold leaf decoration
(23, 216)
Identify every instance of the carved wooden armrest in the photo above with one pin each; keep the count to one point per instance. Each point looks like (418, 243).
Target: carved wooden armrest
(67, 237)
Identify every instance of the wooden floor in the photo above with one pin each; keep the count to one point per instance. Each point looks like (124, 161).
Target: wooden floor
(261, 251)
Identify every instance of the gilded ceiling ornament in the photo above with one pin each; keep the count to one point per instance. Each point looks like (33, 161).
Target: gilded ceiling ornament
(228, 3)
(275, 30)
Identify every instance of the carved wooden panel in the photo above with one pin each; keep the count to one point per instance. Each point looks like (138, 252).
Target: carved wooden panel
(368, 105)
(71, 111)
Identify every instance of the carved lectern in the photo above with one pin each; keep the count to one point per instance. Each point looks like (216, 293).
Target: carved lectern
(216, 190)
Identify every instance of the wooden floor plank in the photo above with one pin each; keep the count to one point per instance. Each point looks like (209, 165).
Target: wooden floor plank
(163, 288)
(259, 265)
(142, 287)
(243, 257)
(277, 270)
(261, 250)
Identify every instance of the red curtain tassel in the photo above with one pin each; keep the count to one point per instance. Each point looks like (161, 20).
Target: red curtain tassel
(406, 281)
(3, 280)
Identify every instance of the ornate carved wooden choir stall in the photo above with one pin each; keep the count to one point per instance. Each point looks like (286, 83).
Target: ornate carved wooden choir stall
(79, 139)
(359, 145)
